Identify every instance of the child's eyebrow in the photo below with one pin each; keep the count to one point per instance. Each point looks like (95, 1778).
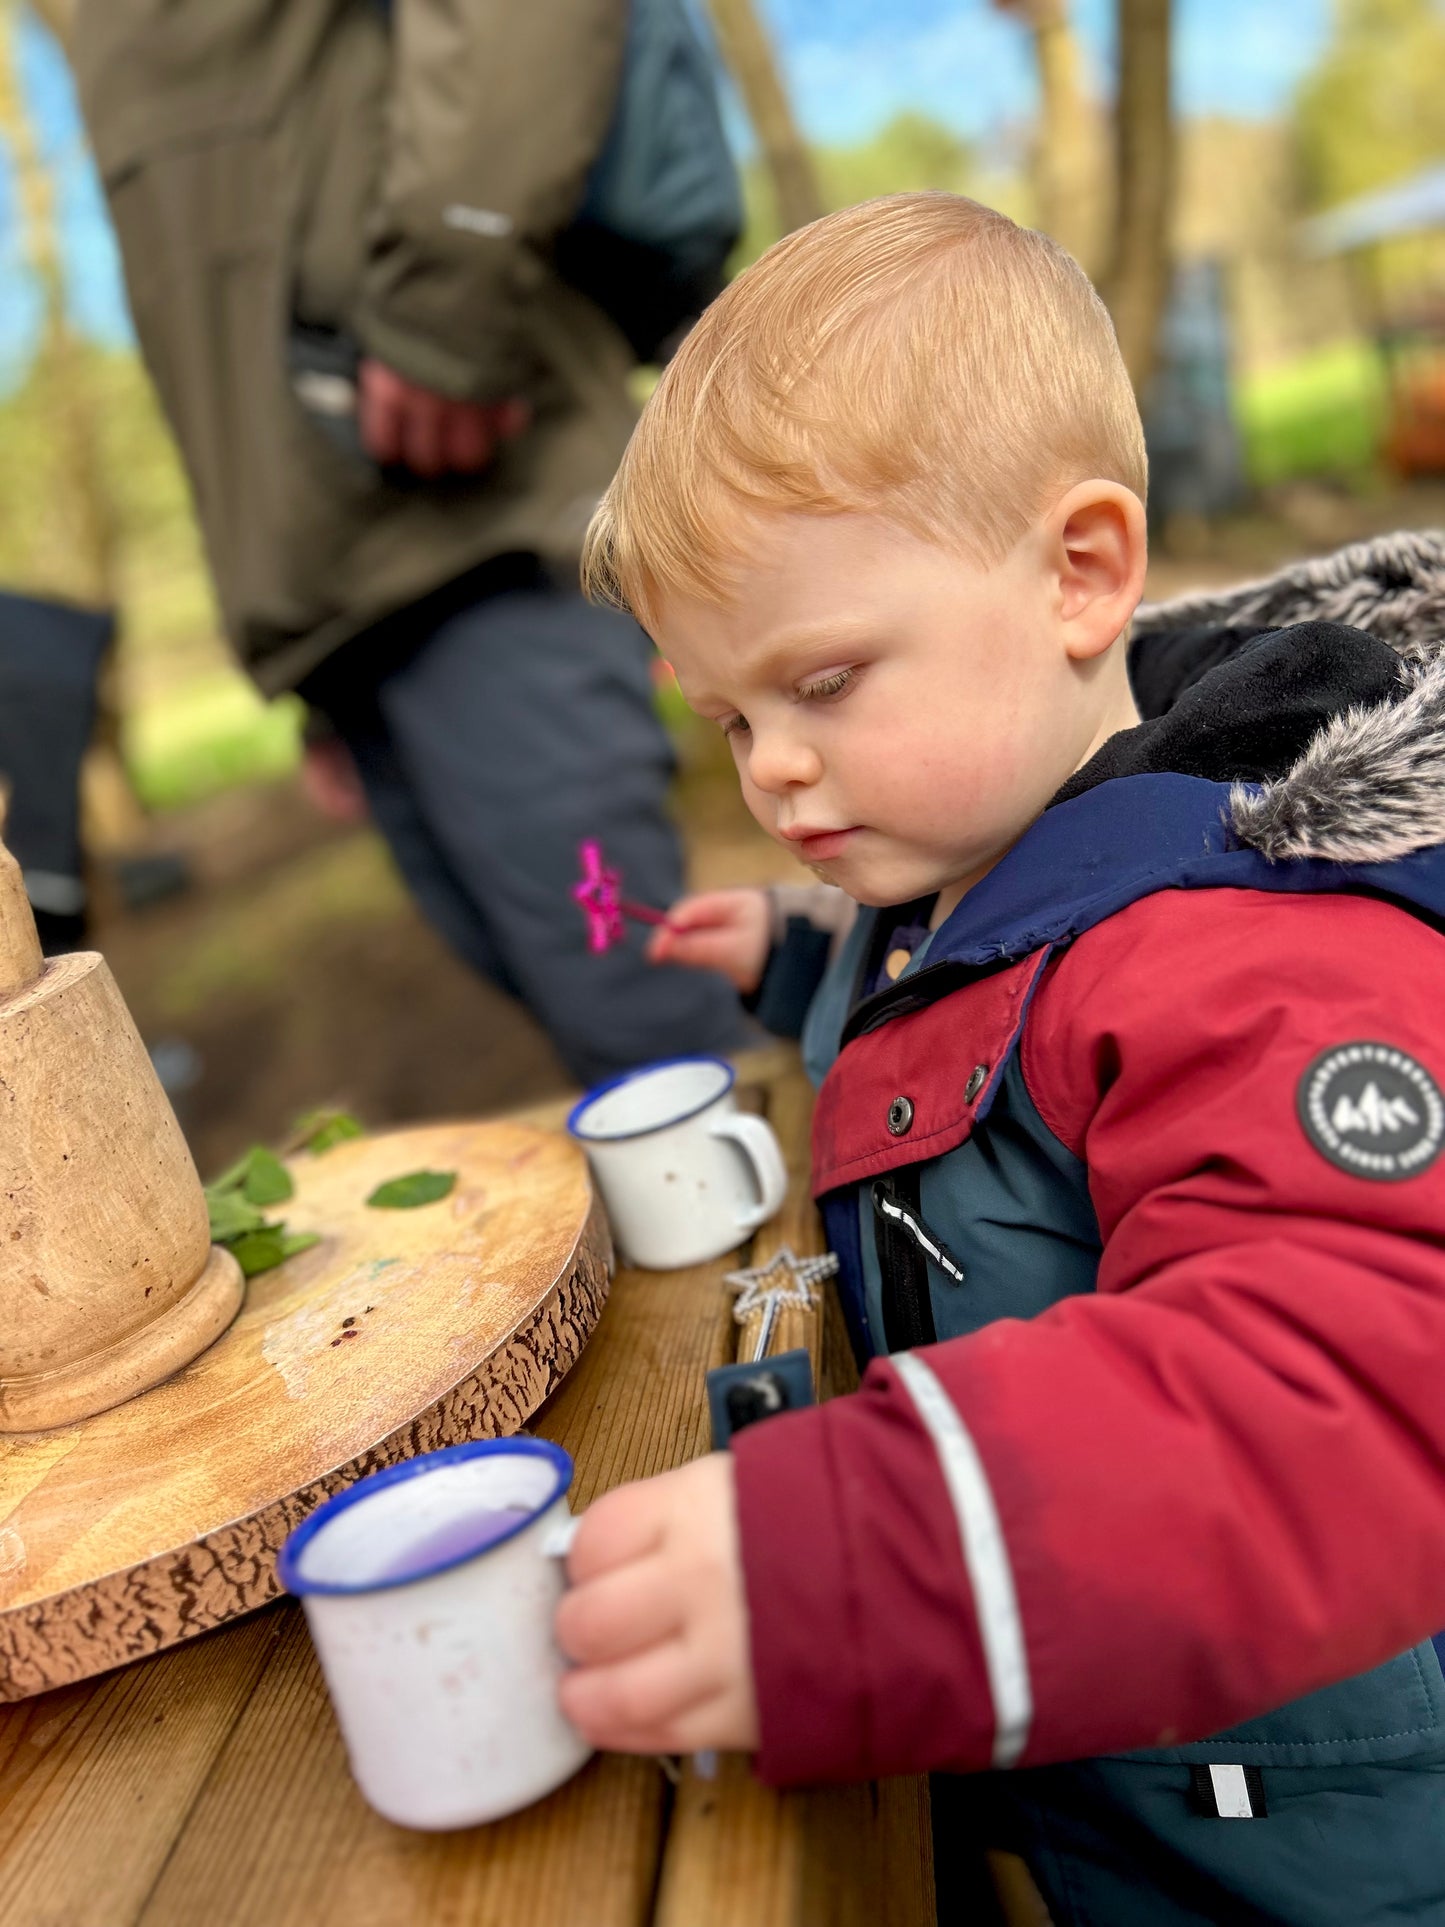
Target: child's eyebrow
(781, 651)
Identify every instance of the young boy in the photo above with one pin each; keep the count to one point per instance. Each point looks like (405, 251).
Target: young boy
(1128, 1138)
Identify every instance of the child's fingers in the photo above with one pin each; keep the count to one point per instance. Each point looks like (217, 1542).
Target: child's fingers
(700, 950)
(623, 1612)
(661, 945)
(616, 1529)
(704, 949)
(607, 1704)
(703, 912)
(715, 1722)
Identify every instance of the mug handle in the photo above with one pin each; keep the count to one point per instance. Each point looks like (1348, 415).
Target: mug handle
(764, 1158)
(556, 1545)
(558, 1541)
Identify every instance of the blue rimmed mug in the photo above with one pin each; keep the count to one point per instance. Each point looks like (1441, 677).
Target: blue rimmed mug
(429, 1590)
(684, 1174)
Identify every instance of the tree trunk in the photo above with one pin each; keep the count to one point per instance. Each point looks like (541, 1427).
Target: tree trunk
(1065, 151)
(749, 55)
(1137, 284)
(1065, 157)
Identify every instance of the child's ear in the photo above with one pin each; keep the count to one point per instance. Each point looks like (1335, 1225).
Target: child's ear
(1098, 551)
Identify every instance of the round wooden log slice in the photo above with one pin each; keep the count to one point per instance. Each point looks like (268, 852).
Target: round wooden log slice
(400, 1332)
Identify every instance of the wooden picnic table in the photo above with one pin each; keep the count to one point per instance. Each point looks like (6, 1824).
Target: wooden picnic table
(209, 1785)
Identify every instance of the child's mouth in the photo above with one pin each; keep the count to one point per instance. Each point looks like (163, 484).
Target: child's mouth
(824, 845)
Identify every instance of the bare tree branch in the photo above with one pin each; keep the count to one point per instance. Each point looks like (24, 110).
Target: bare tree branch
(750, 58)
(59, 17)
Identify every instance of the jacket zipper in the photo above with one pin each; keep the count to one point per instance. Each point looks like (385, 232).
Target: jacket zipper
(904, 1244)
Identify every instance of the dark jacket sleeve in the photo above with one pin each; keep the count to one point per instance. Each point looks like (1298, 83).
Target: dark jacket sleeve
(809, 923)
(496, 113)
(1208, 1488)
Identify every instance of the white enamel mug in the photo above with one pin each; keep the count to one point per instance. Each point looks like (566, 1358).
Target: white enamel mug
(684, 1174)
(429, 1590)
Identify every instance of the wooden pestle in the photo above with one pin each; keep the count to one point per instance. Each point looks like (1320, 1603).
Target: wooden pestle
(108, 1279)
(20, 959)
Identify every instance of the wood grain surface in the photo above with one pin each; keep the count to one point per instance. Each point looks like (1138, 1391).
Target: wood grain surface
(401, 1331)
(209, 1784)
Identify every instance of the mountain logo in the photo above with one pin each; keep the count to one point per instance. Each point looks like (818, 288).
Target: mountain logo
(1372, 1110)
(1374, 1113)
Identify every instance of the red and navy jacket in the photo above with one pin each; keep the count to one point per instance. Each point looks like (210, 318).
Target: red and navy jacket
(1136, 1179)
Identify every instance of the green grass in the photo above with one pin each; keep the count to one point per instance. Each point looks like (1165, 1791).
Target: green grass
(1321, 415)
(210, 736)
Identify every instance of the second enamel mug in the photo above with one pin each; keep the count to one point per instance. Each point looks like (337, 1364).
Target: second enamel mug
(684, 1174)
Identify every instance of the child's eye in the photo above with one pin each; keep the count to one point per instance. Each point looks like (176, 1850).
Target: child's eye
(735, 726)
(826, 686)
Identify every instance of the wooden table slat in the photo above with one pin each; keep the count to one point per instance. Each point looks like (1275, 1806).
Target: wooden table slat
(97, 1779)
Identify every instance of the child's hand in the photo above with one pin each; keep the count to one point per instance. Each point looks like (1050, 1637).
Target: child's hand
(726, 930)
(657, 1619)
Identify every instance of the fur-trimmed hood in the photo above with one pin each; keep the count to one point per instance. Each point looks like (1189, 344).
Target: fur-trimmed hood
(1370, 785)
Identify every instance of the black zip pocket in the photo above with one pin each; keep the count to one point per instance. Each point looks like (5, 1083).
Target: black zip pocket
(905, 1244)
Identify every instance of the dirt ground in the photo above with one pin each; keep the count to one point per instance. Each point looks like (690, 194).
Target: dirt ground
(294, 971)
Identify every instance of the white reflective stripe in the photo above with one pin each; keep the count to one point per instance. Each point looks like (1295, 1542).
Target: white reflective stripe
(1231, 1793)
(1000, 1627)
(935, 1252)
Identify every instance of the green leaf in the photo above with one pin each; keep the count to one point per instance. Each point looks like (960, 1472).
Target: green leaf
(259, 1250)
(267, 1181)
(267, 1246)
(231, 1216)
(232, 1178)
(260, 1176)
(417, 1187)
(319, 1130)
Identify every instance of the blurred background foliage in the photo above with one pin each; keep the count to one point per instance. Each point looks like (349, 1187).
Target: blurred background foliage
(93, 506)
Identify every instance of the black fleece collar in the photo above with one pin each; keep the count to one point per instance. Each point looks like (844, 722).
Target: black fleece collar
(1248, 717)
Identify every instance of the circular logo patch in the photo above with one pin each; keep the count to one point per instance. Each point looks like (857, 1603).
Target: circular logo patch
(1373, 1110)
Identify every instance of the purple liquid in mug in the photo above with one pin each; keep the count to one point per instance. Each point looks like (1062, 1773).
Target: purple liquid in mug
(457, 1539)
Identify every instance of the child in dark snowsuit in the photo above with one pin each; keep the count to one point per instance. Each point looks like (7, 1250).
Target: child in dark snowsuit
(1130, 1128)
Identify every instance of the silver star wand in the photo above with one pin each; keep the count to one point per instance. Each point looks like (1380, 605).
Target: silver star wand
(785, 1279)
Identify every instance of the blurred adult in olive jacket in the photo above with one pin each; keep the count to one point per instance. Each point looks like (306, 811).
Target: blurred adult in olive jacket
(337, 221)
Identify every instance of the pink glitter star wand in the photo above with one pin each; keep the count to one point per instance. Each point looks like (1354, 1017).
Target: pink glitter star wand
(600, 896)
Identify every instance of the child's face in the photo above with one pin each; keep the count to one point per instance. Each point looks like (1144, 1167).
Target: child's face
(898, 714)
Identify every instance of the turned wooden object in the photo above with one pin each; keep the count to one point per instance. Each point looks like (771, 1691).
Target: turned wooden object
(108, 1278)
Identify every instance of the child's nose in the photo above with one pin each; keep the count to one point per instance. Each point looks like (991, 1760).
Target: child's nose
(777, 761)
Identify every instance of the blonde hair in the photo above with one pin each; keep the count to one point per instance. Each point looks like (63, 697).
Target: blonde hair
(918, 357)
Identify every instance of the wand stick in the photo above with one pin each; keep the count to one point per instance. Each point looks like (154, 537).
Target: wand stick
(644, 913)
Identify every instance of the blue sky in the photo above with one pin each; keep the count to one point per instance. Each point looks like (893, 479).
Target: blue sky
(850, 64)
